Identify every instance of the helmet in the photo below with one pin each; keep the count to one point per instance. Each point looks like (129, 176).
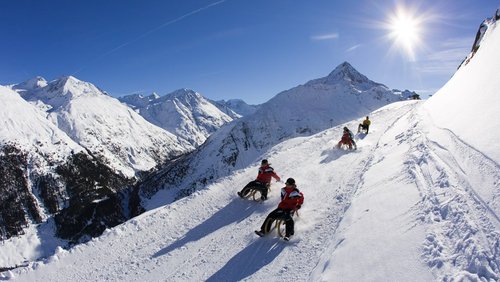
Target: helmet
(345, 128)
(264, 161)
(290, 181)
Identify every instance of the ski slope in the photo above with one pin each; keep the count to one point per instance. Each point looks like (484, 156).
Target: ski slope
(406, 206)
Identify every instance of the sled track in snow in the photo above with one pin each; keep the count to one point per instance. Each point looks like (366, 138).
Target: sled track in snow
(352, 183)
(463, 229)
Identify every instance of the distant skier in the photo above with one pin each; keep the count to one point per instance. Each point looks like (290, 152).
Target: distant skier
(291, 200)
(263, 181)
(365, 125)
(347, 139)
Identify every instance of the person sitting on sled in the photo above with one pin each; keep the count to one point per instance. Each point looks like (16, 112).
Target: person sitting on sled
(365, 125)
(347, 139)
(263, 181)
(291, 200)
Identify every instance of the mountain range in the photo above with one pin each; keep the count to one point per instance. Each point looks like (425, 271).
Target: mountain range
(84, 151)
(301, 111)
(417, 201)
(68, 148)
(184, 112)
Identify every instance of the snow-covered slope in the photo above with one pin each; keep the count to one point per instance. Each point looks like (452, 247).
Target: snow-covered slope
(184, 112)
(43, 173)
(104, 126)
(394, 210)
(25, 125)
(304, 110)
(476, 85)
(418, 201)
(32, 84)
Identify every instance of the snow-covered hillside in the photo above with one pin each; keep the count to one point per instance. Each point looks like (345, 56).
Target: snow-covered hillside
(418, 201)
(25, 125)
(394, 210)
(103, 125)
(479, 88)
(301, 111)
(184, 112)
(47, 183)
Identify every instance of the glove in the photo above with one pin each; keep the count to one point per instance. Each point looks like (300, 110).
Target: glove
(299, 206)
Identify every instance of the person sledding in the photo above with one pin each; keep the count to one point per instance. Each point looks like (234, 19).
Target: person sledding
(347, 139)
(263, 181)
(291, 200)
(365, 125)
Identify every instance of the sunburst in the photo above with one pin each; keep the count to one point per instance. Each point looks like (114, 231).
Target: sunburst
(405, 30)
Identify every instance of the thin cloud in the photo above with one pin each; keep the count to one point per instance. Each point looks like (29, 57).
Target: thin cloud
(329, 36)
(154, 30)
(352, 48)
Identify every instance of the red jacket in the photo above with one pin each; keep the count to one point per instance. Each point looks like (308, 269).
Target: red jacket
(346, 138)
(266, 173)
(290, 198)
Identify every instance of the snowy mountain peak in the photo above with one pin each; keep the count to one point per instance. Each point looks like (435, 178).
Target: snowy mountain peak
(236, 108)
(346, 74)
(184, 112)
(56, 93)
(31, 84)
(70, 85)
(139, 100)
(184, 94)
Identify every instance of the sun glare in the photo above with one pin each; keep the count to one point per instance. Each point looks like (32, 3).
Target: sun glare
(404, 30)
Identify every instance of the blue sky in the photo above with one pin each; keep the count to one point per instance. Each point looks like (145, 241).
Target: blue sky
(234, 48)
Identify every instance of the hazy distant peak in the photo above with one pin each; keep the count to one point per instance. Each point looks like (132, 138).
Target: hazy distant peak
(154, 96)
(31, 84)
(236, 108)
(183, 93)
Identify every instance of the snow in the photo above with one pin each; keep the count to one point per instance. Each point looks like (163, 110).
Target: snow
(468, 91)
(183, 112)
(24, 124)
(103, 125)
(236, 108)
(369, 215)
(38, 241)
(418, 201)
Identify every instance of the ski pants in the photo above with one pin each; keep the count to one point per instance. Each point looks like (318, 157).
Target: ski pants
(262, 187)
(364, 127)
(348, 141)
(279, 214)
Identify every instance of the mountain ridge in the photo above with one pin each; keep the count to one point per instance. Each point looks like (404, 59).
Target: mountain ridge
(184, 112)
(301, 111)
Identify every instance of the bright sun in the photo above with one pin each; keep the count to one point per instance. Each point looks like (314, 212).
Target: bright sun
(405, 31)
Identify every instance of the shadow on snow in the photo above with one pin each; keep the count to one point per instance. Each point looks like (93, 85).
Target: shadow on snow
(333, 154)
(235, 211)
(249, 260)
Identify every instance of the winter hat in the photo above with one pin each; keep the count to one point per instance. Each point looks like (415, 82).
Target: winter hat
(264, 161)
(290, 181)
